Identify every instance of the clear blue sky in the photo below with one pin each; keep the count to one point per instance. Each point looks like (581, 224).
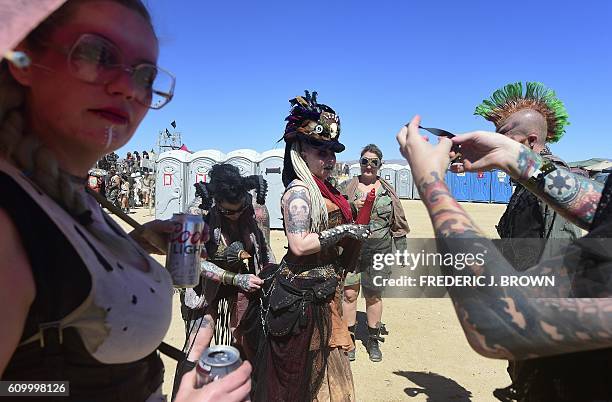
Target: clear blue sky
(377, 64)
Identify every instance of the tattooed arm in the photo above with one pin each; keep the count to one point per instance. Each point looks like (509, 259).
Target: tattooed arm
(502, 322)
(246, 282)
(296, 213)
(573, 196)
(509, 322)
(212, 271)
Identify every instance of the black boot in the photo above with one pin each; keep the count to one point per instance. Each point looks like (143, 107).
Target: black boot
(351, 354)
(372, 343)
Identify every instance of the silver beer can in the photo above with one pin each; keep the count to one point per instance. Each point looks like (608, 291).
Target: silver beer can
(185, 249)
(216, 362)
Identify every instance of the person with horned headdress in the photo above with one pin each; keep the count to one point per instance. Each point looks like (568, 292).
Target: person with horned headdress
(534, 117)
(216, 305)
(295, 334)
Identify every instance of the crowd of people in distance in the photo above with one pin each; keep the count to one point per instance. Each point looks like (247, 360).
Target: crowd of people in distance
(127, 183)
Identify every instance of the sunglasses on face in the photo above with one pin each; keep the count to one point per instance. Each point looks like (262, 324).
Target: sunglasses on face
(374, 162)
(95, 60)
(231, 212)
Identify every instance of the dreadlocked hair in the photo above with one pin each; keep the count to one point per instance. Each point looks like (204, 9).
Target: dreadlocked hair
(259, 184)
(510, 99)
(226, 184)
(26, 152)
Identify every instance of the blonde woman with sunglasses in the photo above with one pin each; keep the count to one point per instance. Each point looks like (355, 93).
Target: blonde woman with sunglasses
(388, 224)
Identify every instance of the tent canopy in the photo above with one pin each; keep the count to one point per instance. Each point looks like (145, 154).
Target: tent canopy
(598, 167)
(586, 163)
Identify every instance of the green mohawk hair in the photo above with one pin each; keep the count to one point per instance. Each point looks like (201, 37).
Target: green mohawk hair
(510, 99)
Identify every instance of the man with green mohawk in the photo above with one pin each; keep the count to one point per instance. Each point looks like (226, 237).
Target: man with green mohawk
(514, 111)
(533, 118)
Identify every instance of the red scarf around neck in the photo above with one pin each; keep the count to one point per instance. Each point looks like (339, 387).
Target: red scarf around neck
(332, 194)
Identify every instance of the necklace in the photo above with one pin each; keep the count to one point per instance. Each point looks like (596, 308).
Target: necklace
(263, 312)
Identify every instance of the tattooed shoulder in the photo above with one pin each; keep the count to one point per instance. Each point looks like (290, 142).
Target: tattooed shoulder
(296, 208)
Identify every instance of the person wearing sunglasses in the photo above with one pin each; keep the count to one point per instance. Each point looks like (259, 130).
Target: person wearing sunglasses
(388, 225)
(235, 237)
(561, 333)
(295, 333)
(81, 300)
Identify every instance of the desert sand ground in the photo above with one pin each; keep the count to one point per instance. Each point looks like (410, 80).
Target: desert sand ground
(426, 356)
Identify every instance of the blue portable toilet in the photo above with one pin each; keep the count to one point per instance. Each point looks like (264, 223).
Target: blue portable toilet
(501, 187)
(459, 185)
(480, 186)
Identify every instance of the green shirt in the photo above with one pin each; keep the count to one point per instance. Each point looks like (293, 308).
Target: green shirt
(382, 213)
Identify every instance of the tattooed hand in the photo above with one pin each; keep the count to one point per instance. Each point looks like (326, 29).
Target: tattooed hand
(482, 150)
(248, 282)
(423, 157)
(516, 322)
(573, 196)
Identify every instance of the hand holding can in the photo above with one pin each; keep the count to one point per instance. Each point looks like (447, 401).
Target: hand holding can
(216, 362)
(232, 388)
(185, 249)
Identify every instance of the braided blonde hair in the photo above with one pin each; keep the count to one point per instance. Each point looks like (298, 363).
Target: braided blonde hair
(318, 215)
(27, 153)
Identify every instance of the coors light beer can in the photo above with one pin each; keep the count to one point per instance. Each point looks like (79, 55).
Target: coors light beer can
(186, 243)
(216, 362)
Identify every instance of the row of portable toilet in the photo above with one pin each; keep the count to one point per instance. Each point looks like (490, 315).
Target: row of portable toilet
(491, 186)
(494, 186)
(178, 171)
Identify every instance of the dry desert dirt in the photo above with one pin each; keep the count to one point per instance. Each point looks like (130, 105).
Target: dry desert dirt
(426, 356)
